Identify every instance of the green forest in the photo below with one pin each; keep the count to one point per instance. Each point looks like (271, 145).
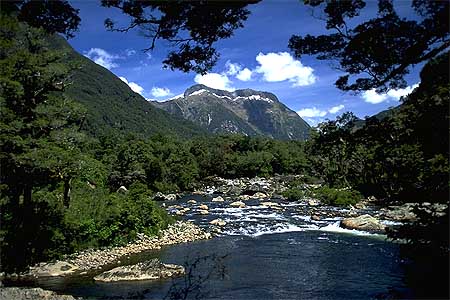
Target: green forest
(62, 168)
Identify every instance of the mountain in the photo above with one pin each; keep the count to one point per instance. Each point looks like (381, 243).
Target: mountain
(244, 111)
(110, 103)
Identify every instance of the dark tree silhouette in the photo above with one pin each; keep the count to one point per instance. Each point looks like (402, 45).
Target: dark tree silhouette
(377, 53)
(192, 27)
(52, 15)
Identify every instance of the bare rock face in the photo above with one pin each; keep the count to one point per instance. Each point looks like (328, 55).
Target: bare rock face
(149, 270)
(17, 293)
(364, 222)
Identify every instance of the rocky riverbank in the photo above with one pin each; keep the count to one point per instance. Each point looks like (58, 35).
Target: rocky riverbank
(148, 270)
(16, 293)
(179, 232)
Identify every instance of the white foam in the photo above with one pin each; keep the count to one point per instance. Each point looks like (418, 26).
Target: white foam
(336, 228)
(260, 229)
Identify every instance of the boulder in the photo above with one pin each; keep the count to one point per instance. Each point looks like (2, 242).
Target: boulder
(244, 197)
(203, 212)
(315, 218)
(192, 201)
(217, 199)
(239, 204)
(218, 222)
(259, 195)
(203, 207)
(364, 222)
(149, 270)
(313, 202)
(163, 197)
(59, 268)
(122, 190)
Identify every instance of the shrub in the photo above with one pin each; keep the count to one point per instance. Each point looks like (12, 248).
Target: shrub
(338, 197)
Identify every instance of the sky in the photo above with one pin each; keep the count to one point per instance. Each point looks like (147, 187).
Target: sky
(256, 56)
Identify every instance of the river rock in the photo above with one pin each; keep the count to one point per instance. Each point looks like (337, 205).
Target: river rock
(270, 204)
(315, 218)
(364, 222)
(149, 270)
(259, 195)
(203, 207)
(192, 201)
(218, 222)
(217, 199)
(313, 202)
(59, 268)
(122, 190)
(203, 212)
(244, 197)
(16, 293)
(239, 204)
(163, 197)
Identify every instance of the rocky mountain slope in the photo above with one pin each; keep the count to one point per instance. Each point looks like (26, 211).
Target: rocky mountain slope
(245, 111)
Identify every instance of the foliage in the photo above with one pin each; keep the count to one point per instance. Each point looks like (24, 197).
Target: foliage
(337, 197)
(51, 15)
(191, 26)
(378, 52)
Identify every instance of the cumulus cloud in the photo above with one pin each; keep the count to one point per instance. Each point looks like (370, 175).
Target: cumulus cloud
(336, 109)
(314, 115)
(282, 66)
(102, 58)
(215, 81)
(133, 86)
(311, 112)
(244, 75)
(160, 92)
(371, 96)
(232, 68)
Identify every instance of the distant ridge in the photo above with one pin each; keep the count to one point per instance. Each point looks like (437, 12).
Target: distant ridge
(243, 111)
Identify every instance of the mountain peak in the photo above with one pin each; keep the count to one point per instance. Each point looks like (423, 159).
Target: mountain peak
(243, 94)
(244, 111)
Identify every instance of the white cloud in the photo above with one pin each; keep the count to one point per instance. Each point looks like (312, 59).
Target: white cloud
(244, 75)
(160, 92)
(133, 86)
(102, 58)
(314, 115)
(336, 109)
(130, 52)
(215, 81)
(282, 66)
(311, 112)
(371, 96)
(232, 68)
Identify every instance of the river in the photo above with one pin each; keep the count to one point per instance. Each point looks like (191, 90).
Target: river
(264, 253)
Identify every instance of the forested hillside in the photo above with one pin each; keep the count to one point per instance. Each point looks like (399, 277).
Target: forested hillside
(111, 106)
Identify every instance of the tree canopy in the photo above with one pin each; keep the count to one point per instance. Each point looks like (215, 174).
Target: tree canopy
(379, 52)
(192, 27)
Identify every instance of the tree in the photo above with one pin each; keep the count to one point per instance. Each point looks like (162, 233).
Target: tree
(191, 26)
(52, 15)
(39, 134)
(379, 52)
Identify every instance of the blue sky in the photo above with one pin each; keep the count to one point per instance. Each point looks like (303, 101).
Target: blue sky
(256, 57)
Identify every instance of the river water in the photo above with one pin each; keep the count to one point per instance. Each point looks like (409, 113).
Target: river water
(265, 253)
